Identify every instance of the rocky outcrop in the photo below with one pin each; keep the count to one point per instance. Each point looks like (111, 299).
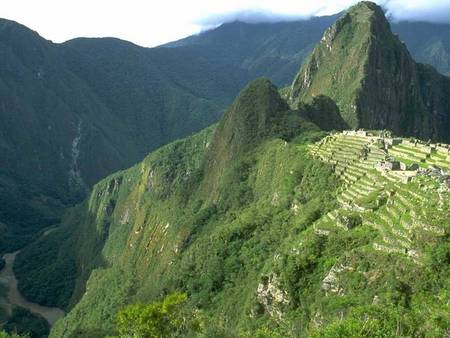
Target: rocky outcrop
(271, 296)
(331, 283)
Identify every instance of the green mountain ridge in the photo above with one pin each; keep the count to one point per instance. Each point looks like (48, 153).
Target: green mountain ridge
(258, 113)
(70, 118)
(269, 225)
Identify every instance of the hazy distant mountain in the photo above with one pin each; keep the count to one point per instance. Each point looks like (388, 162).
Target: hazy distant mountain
(261, 45)
(275, 50)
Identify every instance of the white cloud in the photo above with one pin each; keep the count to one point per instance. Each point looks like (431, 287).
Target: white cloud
(153, 22)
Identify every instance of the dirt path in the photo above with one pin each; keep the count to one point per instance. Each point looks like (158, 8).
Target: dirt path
(7, 277)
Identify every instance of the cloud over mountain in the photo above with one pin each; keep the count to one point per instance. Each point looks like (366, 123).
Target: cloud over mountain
(437, 11)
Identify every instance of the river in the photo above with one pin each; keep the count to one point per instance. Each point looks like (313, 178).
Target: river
(7, 277)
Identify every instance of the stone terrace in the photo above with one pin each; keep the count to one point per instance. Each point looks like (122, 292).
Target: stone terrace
(403, 205)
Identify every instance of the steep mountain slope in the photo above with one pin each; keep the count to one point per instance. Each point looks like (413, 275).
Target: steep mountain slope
(47, 114)
(374, 81)
(258, 113)
(73, 113)
(98, 105)
(153, 87)
(263, 230)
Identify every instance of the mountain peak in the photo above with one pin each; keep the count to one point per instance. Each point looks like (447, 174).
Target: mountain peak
(367, 6)
(247, 122)
(258, 114)
(370, 75)
(337, 66)
(370, 14)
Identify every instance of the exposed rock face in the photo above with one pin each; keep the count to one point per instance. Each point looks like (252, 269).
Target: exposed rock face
(324, 112)
(331, 282)
(373, 79)
(271, 296)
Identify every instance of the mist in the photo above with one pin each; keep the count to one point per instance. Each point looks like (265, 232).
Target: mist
(433, 11)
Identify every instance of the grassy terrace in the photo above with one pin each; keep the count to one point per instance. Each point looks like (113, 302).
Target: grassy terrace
(400, 212)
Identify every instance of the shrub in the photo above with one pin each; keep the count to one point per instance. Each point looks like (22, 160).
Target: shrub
(165, 318)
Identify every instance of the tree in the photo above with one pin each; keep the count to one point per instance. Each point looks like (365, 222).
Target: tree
(165, 318)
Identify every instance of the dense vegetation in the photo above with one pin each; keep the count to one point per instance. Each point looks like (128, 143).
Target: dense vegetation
(3, 334)
(50, 284)
(239, 240)
(121, 101)
(25, 323)
(165, 318)
(250, 213)
(71, 114)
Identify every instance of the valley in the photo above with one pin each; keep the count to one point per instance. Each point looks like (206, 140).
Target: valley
(14, 298)
(16, 309)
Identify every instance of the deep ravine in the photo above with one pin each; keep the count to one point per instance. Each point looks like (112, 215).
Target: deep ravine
(7, 277)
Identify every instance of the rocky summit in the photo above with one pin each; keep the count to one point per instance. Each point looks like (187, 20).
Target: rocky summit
(370, 75)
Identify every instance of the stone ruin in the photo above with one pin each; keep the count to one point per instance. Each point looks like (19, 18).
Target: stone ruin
(388, 165)
(442, 176)
(384, 140)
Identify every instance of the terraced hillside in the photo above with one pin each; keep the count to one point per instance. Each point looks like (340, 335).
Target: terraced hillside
(399, 186)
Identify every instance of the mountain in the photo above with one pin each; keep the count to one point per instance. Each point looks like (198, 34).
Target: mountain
(170, 210)
(268, 224)
(75, 112)
(280, 48)
(47, 116)
(427, 42)
(274, 50)
(373, 79)
(277, 50)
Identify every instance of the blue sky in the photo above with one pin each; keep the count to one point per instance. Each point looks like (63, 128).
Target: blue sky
(153, 22)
